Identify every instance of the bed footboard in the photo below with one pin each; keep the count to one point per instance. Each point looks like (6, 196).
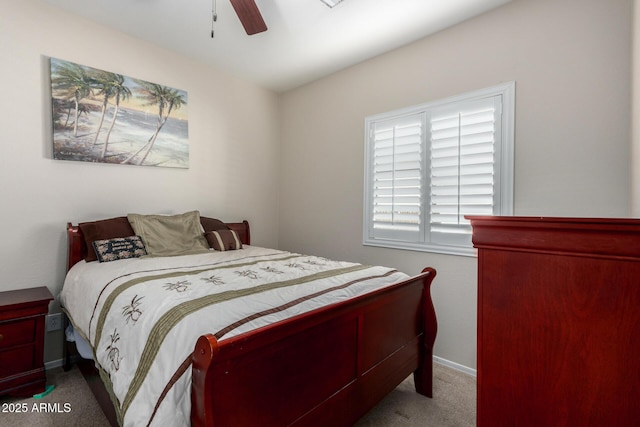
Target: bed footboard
(326, 367)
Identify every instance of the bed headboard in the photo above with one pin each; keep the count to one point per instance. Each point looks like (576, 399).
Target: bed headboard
(77, 248)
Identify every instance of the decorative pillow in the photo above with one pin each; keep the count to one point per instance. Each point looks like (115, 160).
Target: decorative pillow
(168, 235)
(119, 248)
(212, 224)
(223, 240)
(103, 230)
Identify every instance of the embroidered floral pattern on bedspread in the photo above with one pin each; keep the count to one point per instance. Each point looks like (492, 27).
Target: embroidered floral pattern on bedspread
(132, 311)
(113, 353)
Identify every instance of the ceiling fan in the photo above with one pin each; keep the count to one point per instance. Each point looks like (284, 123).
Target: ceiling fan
(249, 16)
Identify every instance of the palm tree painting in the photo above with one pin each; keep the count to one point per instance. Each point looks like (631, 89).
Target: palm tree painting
(106, 117)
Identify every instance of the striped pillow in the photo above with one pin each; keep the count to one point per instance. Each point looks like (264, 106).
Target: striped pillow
(223, 240)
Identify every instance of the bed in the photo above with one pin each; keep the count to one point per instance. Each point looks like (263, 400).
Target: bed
(320, 356)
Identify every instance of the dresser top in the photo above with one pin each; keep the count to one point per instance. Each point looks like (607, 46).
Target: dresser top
(600, 237)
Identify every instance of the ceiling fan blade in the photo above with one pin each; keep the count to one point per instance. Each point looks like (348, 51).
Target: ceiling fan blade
(250, 16)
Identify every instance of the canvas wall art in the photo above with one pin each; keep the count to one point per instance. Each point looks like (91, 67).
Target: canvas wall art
(105, 117)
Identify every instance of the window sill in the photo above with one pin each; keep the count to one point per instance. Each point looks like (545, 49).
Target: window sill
(423, 247)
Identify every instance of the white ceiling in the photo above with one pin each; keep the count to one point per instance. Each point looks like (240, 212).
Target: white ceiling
(306, 39)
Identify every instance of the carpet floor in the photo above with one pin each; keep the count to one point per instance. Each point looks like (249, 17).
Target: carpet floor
(72, 404)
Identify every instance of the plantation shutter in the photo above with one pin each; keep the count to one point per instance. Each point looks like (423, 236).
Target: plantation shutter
(463, 159)
(397, 178)
(430, 165)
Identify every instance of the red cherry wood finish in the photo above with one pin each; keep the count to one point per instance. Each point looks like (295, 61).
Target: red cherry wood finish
(558, 316)
(22, 326)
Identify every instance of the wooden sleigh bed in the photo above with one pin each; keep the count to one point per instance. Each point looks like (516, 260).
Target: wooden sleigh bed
(325, 367)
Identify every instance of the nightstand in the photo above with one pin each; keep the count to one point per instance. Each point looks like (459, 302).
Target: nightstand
(22, 325)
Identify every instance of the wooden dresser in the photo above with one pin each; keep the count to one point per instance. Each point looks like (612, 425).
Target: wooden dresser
(558, 321)
(22, 324)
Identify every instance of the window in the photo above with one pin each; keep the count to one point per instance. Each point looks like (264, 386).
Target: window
(428, 166)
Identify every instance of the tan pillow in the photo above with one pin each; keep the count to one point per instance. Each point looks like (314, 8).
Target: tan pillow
(168, 235)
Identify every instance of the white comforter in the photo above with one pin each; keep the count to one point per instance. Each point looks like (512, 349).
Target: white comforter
(143, 316)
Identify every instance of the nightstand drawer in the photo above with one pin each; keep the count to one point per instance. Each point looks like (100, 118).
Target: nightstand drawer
(18, 332)
(16, 360)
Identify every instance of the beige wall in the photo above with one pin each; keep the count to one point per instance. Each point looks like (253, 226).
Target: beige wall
(571, 63)
(233, 166)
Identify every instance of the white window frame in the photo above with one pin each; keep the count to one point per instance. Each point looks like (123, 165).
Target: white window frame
(458, 243)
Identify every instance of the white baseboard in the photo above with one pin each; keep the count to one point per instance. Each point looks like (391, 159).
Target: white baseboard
(454, 365)
(53, 364)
